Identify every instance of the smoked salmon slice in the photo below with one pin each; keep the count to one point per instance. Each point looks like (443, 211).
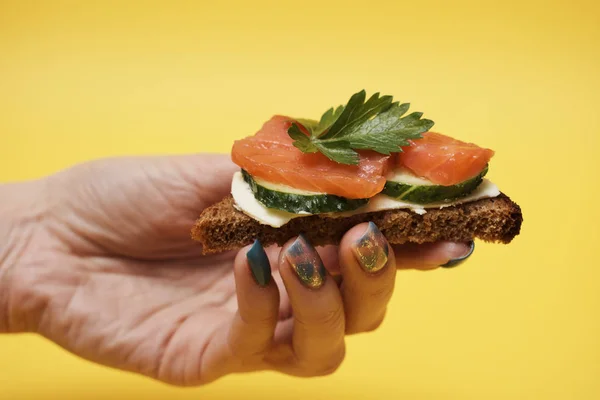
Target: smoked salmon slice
(270, 155)
(444, 160)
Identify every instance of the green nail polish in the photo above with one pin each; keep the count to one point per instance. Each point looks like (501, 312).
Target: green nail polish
(372, 250)
(457, 261)
(259, 264)
(306, 263)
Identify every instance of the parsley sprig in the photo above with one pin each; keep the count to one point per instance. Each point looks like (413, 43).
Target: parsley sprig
(376, 124)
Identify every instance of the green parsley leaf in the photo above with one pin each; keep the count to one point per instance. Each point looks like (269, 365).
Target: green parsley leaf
(388, 131)
(301, 140)
(327, 119)
(309, 124)
(357, 111)
(338, 151)
(316, 128)
(375, 124)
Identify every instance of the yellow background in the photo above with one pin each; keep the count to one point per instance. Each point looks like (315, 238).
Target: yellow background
(81, 80)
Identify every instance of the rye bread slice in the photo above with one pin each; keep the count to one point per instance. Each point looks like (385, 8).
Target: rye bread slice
(221, 227)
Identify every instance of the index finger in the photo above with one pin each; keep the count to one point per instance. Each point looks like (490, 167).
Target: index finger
(318, 310)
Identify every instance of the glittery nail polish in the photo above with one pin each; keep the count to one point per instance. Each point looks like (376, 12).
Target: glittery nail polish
(455, 262)
(259, 264)
(371, 250)
(306, 263)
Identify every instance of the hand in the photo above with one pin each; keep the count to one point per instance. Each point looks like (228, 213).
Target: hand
(104, 266)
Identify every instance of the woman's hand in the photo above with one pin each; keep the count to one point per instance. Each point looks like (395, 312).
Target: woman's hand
(100, 261)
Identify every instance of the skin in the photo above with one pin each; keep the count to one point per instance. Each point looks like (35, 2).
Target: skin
(98, 259)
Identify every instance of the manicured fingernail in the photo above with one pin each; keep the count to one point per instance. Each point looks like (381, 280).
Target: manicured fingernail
(306, 263)
(371, 250)
(259, 264)
(455, 262)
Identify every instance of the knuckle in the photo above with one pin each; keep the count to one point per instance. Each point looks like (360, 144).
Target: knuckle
(258, 320)
(375, 325)
(383, 294)
(331, 318)
(331, 364)
(362, 326)
(325, 320)
(246, 354)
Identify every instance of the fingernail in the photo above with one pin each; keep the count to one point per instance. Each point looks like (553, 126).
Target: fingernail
(306, 263)
(371, 250)
(259, 264)
(455, 262)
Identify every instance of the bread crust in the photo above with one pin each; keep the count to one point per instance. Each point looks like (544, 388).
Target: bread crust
(221, 227)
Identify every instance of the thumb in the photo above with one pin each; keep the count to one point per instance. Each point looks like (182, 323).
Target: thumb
(209, 174)
(130, 205)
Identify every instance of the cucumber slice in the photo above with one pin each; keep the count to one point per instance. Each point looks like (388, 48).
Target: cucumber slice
(297, 201)
(410, 188)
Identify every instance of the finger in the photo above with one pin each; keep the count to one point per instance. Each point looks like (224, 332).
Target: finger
(368, 268)
(329, 257)
(328, 254)
(430, 256)
(254, 323)
(319, 326)
(210, 175)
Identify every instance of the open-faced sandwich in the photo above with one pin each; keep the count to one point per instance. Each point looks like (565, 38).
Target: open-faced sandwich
(366, 161)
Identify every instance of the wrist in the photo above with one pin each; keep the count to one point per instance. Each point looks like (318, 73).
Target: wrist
(21, 222)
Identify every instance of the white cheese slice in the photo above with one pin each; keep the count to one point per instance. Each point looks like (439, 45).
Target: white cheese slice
(247, 203)
(382, 202)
